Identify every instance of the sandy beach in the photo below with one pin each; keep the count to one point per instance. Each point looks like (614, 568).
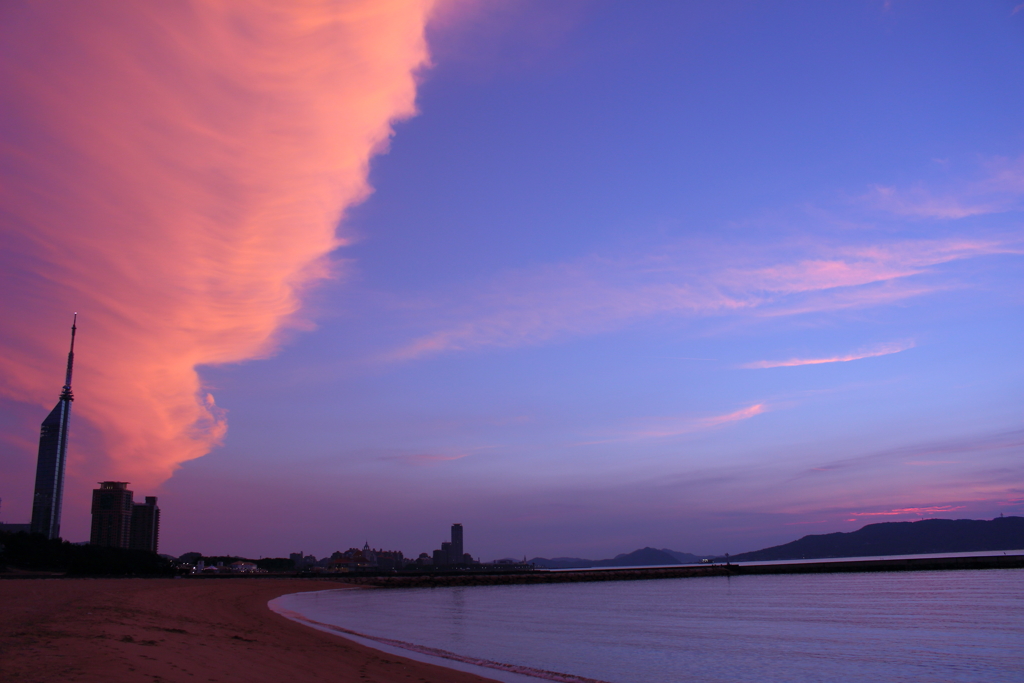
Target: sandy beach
(180, 630)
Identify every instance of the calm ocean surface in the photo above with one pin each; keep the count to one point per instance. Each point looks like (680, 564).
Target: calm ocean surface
(877, 627)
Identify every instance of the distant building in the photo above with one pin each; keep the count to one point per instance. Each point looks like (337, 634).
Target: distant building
(371, 557)
(302, 560)
(366, 558)
(145, 526)
(351, 560)
(390, 559)
(456, 551)
(242, 567)
(53, 451)
(119, 522)
(451, 552)
(112, 509)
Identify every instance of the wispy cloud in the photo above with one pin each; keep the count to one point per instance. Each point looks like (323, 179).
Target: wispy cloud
(1000, 189)
(816, 521)
(429, 458)
(676, 426)
(1010, 442)
(922, 203)
(884, 350)
(919, 511)
(595, 294)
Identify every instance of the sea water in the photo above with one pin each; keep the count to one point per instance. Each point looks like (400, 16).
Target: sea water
(871, 627)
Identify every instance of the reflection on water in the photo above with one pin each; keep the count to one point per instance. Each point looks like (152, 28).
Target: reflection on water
(907, 626)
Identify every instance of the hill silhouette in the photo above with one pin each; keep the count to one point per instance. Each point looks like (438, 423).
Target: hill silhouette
(637, 558)
(685, 558)
(901, 538)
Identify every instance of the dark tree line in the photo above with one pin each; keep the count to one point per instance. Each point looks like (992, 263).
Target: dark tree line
(34, 552)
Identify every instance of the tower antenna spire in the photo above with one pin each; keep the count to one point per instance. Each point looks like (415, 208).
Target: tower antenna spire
(66, 394)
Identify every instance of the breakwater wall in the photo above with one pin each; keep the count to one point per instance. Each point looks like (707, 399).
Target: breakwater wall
(689, 571)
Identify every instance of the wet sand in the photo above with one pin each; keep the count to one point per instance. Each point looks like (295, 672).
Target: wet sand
(172, 630)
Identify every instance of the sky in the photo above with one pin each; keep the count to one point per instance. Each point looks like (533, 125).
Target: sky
(582, 276)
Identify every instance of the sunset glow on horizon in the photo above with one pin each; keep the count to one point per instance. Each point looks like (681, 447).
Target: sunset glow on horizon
(583, 276)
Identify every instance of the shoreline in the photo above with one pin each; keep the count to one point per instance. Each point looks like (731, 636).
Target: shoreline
(168, 630)
(507, 673)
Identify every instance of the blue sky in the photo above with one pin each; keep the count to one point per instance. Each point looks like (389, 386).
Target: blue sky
(665, 273)
(626, 148)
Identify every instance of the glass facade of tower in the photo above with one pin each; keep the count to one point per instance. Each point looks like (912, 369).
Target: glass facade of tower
(53, 451)
(49, 490)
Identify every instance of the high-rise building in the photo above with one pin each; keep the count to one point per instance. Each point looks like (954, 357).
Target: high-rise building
(112, 509)
(145, 526)
(456, 548)
(53, 451)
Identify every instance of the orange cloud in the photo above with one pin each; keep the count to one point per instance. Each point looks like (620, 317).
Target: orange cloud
(175, 172)
(883, 350)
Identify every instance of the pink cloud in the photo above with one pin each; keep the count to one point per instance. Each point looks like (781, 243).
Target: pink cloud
(595, 295)
(665, 427)
(921, 203)
(175, 173)
(919, 511)
(883, 350)
(999, 190)
(867, 296)
(815, 275)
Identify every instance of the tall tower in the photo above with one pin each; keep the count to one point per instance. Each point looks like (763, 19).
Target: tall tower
(53, 451)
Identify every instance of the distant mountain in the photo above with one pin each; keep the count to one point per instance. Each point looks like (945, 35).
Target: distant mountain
(685, 558)
(901, 538)
(637, 558)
